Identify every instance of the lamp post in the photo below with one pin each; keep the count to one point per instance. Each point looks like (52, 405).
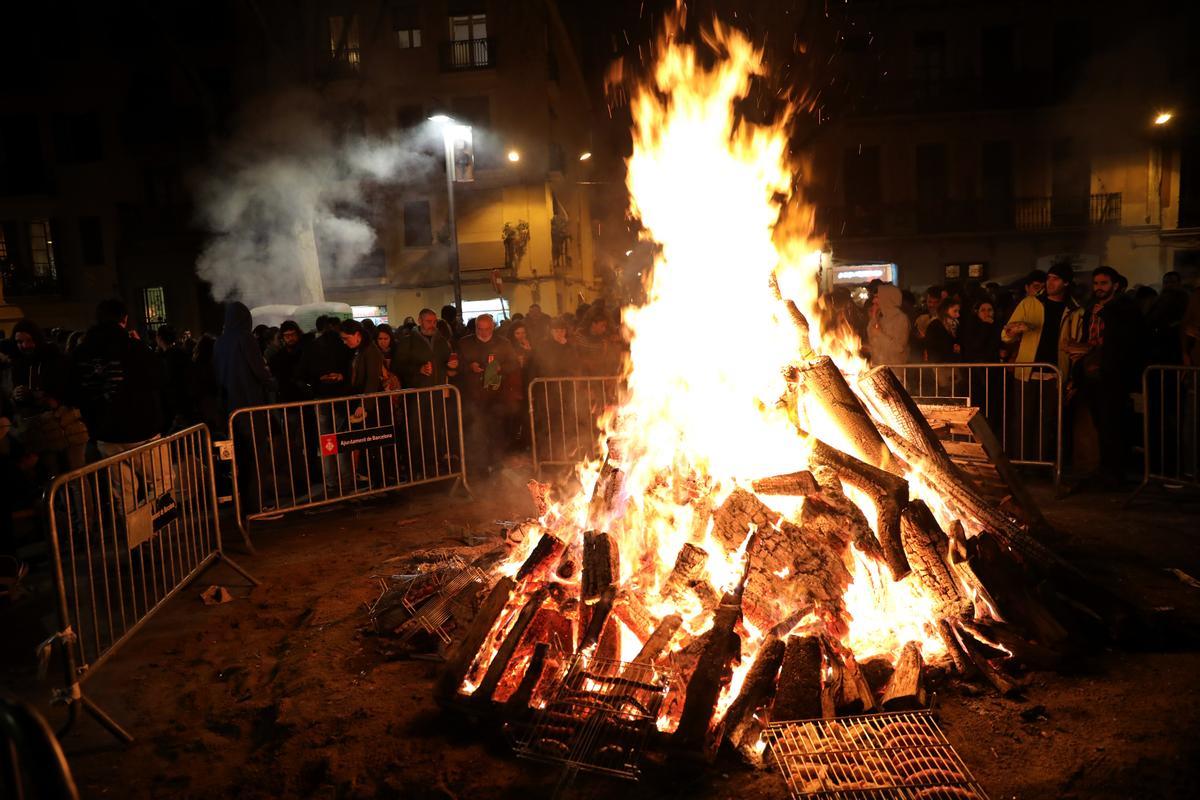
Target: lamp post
(450, 129)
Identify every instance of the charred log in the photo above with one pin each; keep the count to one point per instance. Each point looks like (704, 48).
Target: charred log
(462, 655)
(829, 402)
(599, 566)
(741, 727)
(889, 494)
(545, 552)
(713, 670)
(924, 544)
(794, 484)
(659, 640)
(518, 702)
(798, 695)
(593, 618)
(893, 403)
(499, 663)
(905, 690)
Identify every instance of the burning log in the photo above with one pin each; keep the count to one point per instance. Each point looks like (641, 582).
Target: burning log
(722, 648)
(889, 494)
(608, 647)
(958, 656)
(518, 701)
(829, 399)
(793, 619)
(893, 402)
(605, 493)
(630, 609)
(539, 493)
(546, 550)
(741, 727)
(460, 658)
(856, 696)
(496, 669)
(793, 484)
(659, 640)
(798, 695)
(924, 543)
(592, 618)
(786, 568)
(1007, 587)
(600, 569)
(905, 690)
(690, 573)
(1001, 682)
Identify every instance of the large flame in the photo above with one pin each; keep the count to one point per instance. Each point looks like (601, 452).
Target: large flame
(709, 406)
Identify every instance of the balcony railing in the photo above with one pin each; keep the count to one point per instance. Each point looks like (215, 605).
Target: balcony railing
(1025, 214)
(468, 54)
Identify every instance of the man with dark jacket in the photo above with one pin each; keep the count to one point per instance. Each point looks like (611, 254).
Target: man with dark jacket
(425, 358)
(1107, 367)
(118, 381)
(325, 364)
(175, 367)
(555, 356)
(486, 359)
(284, 364)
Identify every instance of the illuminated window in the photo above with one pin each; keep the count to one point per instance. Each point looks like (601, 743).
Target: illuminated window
(41, 247)
(408, 38)
(377, 314)
(473, 308)
(343, 40)
(406, 22)
(154, 300)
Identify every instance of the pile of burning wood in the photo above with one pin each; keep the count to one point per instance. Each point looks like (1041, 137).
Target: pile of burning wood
(771, 644)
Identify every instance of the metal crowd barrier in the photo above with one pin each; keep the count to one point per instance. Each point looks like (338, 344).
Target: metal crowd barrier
(1022, 403)
(563, 418)
(126, 533)
(295, 456)
(1171, 445)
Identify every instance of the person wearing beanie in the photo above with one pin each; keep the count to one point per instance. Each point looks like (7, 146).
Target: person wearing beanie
(1041, 327)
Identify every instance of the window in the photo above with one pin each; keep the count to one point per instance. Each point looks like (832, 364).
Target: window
(22, 169)
(861, 186)
(418, 229)
(91, 240)
(343, 40)
(473, 308)
(377, 314)
(996, 52)
(408, 38)
(468, 27)
(468, 45)
(1072, 48)
(406, 22)
(154, 301)
(932, 184)
(3, 245)
(41, 249)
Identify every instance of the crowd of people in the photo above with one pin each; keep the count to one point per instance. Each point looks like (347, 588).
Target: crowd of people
(69, 397)
(1097, 332)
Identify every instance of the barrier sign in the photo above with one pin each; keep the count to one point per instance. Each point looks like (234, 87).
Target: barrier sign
(333, 443)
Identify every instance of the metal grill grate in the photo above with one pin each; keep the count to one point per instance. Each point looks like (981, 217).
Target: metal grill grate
(871, 757)
(430, 610)
(597, 717)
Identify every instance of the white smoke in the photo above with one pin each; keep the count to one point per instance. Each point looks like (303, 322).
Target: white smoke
(287, 201)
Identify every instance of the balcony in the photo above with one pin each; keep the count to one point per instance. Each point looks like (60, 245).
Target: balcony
(464, 55)
(1018, 215)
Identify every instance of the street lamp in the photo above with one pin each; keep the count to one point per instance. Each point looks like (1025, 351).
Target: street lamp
(453, 132)
(1163, 117)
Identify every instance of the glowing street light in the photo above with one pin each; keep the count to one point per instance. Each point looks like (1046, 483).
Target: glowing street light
(1163, 117)
(584, 156)
(452, 132)
(514, 156)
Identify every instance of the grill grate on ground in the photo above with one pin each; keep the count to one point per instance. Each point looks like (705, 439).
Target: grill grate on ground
(596, 717)
(870, 757)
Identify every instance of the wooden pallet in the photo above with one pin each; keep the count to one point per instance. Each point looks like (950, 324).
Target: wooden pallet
(972, 445)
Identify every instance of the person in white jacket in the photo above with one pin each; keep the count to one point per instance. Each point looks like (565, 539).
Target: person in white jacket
(888, 329)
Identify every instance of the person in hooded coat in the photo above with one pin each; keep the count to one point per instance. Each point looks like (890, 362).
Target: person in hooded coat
(245, 381)
(241, 369)
(888, 329)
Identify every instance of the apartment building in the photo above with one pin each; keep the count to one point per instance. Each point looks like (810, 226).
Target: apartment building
(984, 139)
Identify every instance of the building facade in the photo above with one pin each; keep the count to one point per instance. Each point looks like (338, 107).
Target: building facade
(986, 139)
(507, 70)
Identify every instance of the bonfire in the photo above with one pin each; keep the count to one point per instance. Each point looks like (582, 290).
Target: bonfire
(770, 516)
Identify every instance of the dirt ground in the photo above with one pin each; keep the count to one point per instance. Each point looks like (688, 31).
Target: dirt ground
(283, 693)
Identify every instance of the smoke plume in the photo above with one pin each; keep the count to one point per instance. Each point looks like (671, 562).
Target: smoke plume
(286, 202)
